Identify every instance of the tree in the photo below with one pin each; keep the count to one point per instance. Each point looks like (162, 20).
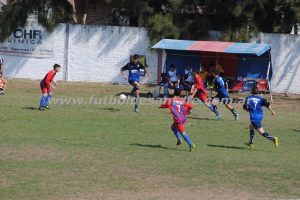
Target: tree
(49, 13)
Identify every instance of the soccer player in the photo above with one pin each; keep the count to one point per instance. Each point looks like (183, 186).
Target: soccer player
(222, 94)
(198, 91)
(47, 85)
(134, 67)
(253, 104)
(3, 84)
(179, 108)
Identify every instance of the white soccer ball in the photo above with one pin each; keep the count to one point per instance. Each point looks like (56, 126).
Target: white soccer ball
(123, 97)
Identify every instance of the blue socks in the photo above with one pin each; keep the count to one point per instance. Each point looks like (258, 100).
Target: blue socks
(43, 101)
(215, 110)
(176, 132)
(187, 139)
(47, 100)
(252, 136)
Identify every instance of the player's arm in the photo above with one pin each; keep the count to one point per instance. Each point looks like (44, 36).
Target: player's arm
(245, 106)
(146, 70)
(194, 90)
(122, 70)
(165, 105)
(268, 105)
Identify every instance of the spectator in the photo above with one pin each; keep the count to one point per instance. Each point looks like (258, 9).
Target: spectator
(165, 84)
(173, 77)
(188, 79)
(3, 84)
(1, 65)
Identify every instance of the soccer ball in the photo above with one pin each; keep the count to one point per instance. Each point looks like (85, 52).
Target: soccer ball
(123, 97)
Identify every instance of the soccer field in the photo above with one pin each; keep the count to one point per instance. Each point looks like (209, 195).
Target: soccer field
(110, 152)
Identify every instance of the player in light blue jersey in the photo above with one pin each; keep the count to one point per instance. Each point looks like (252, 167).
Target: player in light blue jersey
(133, 77)
(254, 105)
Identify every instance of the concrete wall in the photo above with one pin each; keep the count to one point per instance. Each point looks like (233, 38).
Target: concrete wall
(286, 62)
(87, 53)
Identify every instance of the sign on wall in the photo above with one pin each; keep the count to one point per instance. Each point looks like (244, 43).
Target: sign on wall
(28, 42)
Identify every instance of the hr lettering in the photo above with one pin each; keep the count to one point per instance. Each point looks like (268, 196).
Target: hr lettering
(28, 34)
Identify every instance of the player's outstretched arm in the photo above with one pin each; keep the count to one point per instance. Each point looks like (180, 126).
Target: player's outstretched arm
(123, 74)
(272, 111)
(147, 71)
(165, 105)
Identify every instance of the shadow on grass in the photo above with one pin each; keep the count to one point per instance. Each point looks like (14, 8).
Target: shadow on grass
(202, 118)
(296, 130)
(30, 108)
(227, 147)
(155, 146)
(111, 109)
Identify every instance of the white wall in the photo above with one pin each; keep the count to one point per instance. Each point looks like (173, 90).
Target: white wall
(96, 53)
(33, 67)
(88, 53)
(286, 62)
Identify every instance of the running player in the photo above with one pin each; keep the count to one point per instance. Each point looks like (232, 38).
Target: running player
(253, 104)
(222, 94)
(47, 86)
(134, 67)
(179, 108)
(198, 91)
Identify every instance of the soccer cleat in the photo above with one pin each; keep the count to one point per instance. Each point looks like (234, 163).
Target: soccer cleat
(192, 147)
(236, 116)
(136, 110)
(275, 140)
(179, 142)
(218, 117)
(46, 107)
(251, 145)
(42, 109)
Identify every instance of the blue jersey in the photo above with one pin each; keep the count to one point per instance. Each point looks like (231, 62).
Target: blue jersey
(220, 86)
(254, 104)
(134, 71)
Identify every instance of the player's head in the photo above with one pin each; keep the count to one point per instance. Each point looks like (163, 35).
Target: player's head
(215, 72)
(163, 75)
(56, 67)
(172, 67)
(255, 90)
(195, 72)
(135, 58)
(188, 66)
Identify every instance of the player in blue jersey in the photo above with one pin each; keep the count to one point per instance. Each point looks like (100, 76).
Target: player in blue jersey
(222, 94)
(134, 67)
(253, 104)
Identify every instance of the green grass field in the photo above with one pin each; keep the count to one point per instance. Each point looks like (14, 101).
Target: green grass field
(110, 152)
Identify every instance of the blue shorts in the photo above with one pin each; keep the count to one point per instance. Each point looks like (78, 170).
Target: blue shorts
(224, 98)
(256, 124)
(132, 81)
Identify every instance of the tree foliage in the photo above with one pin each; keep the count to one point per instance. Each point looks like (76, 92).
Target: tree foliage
(238, 20)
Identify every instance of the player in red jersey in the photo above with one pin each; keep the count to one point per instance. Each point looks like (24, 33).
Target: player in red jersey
(47, 85)
(179, 108)
(199, 91)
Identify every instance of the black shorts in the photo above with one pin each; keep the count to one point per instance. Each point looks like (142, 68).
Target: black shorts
(132, 82)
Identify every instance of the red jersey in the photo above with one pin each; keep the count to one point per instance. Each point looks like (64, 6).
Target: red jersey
(179, 108)
(199, 84)
(49, 77)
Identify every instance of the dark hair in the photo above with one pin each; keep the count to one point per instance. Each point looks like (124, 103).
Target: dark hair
(177, 92)
(163, 74)
(56, 66)
(136, 56)
(172, 66)
(215, 71)
(255, 90)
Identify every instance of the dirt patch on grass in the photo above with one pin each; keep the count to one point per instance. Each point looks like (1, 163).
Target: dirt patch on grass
(30, 153)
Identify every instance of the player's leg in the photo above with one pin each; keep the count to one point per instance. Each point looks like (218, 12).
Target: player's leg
(214, 104)
(44, 89)
(136, 86)
(185, 136)
(231, 108)
(203, 98)
(252, 133)
(177, 134)
(49, 96)
(262, 132)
